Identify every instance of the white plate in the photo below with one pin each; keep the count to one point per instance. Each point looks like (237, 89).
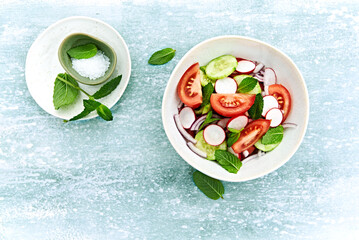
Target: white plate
(42, 64)
(287, 74)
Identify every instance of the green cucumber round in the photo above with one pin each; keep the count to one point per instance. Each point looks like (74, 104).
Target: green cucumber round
(204, 79)
(221, 67)
(265, 148)
(257, 89)
(205, 147)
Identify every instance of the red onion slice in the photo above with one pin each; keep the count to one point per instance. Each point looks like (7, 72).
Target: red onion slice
(289, 125)
(196, 150)
(197, 123)
(258, 67)
(184, 133)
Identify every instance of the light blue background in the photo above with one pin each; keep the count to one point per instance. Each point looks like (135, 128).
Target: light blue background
(98, 180)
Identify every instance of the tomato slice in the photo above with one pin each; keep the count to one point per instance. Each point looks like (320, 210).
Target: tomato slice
(231, 105)
(189, 87)
(283, 97)
(251, 134)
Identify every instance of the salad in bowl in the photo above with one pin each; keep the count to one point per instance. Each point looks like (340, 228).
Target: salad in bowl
(232, 111)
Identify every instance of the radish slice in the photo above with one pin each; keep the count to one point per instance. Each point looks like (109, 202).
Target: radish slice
(276, 117)
(226, 85)
(237, 122)
(258, 68)
(184, 133)
(196, 150)
(197, 123)
(187, 117)
(223, 122)
(214, 135)
(269, 102)
(245, 66)
(238, 155)
(270, 77)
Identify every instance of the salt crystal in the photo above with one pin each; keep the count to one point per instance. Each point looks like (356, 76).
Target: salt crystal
(93, 67)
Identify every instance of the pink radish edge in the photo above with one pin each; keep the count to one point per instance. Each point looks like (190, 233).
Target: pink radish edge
(226, 85)
(276, 117)
(245, 66)
(187, 117)
(238, 122)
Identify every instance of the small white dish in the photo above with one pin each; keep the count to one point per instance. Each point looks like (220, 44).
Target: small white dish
(287, 74)
(42, 64)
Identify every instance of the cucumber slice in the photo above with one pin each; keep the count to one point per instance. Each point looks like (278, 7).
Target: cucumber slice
(204, 79)
(205, 147)
(221, 67)
(257, 89)
(265, 148)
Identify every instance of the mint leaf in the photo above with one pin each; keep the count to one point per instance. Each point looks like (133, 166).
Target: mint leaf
(273, 136)
(255, 112)
(247, 84)
(104, 112)
(208, 120)
(90, 105)
(207, 92)
(211, 187)
(161, 57)
(233, 136)
(228, 161)
(83, 51)
(64, 93)
(107, 88)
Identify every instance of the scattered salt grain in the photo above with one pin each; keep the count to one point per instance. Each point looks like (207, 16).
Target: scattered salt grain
(93, 67)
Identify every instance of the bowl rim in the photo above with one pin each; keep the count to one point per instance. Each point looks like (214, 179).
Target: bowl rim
(109, 72)
(197, 165)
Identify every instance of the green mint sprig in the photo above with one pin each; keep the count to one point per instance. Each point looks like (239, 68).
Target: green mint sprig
(208, 120)
(255, 112)
(66, 90)
(247, 84)
(211, 187)
(83, 51)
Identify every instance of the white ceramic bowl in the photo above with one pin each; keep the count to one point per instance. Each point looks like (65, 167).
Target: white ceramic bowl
(287, 74)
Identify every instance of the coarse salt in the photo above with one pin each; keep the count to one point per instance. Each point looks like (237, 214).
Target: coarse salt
(93, 67)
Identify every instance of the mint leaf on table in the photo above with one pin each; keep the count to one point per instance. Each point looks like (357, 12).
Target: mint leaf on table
(64, 94)
(233, 136)
(273, 136)
(161, 57)
(247, 84)
(83, 51)
(108, 88)
(104, 112)
(208, 120)
(90, 105)
(211, 187)
(255, 112)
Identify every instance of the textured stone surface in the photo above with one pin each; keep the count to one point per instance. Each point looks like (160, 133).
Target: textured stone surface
(118, 180)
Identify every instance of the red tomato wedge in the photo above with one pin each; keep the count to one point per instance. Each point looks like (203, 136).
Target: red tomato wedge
(283, 97)
(231, 105)
(251, 134)
(189, 87)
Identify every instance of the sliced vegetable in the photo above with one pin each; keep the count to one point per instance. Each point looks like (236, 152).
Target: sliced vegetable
(205, 147)
(214, 135)
(270, 77)
(269, 102)
(197, 123)
(275, 115)
(237, 122)
(189, 87)
(204, 79)
(184, 133)
(226, 85)
(230, 105)
(234, 153)
(245, 66)
(223, 122)
(251, 134)
(221, 67)
(265, 148)
(187, 117)
(196, 150)
(258, 67)
(283, 97)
